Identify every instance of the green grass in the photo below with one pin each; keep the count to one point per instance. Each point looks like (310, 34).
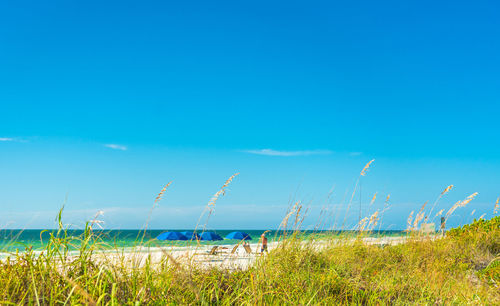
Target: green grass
(463, 267)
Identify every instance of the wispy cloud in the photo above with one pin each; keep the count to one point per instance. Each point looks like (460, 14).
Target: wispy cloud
(356, 153)
(116, 146)
(12, 139)
(271, 152)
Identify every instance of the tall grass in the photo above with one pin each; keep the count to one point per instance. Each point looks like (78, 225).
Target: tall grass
(455, 269)
(460, 268)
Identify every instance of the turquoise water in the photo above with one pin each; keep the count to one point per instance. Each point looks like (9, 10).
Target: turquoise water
(12, 240)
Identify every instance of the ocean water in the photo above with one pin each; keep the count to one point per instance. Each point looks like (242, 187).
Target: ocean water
(14, 239)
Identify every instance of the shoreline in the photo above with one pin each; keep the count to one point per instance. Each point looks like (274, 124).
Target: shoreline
(200, 257)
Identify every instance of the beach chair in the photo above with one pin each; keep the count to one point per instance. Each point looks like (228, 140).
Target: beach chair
(233, 251)
(247, 249)
(213, 251)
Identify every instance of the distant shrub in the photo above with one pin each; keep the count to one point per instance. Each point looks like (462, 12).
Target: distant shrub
(484, 234)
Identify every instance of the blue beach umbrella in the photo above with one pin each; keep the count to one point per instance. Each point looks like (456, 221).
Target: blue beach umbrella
(191, 235)
(207, 236)
(238, 236)
(171, 236)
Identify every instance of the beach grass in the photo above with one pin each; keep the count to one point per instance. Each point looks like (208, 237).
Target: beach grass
(460, 268)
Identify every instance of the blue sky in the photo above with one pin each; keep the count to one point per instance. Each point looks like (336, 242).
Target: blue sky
(104, 103)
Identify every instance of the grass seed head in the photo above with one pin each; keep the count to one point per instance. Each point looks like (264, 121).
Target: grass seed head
(446, 190)
(439, 213)
(222, 190)
(461, 204)
(362, 223)
(367, 166)
(418, 218)
(373, 199)
(409, 221)
(160, 195)
(373, 219)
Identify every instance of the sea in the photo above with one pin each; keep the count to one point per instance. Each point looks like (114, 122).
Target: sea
(17, 240)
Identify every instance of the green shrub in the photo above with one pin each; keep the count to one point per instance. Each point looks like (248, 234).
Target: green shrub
(449, 270)
(482, 234)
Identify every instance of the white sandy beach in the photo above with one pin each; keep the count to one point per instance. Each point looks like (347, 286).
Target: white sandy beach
(200, 256)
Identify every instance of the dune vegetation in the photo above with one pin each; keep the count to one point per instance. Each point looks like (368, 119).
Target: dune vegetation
(460, 266)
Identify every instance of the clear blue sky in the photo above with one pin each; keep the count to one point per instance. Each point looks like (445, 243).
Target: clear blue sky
(106, 101)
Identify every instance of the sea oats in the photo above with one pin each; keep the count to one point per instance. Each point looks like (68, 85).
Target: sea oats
(468, 199)
(461, 204)
(386, 207)
(409, 221)
(452, 209)
(363, 172)
(155, 203)
(160, 195)
(362, 224)
(211, 204)
(222, 190)
(447, 189)
(418, 218)
(373, 220)
(439, 213)
(373, 199)
(423, 206)
(367, 166)
(295, 208)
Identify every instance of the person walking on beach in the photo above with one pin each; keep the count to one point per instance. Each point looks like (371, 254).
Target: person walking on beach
(264, 243)
(443, 225)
